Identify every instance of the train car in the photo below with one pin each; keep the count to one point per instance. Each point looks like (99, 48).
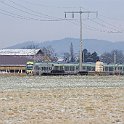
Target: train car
(114, 69)
(61, 68)
(29, 67)
(42, 68)
(49, 68)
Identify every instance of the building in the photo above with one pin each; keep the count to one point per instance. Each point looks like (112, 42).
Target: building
(14, 60)
(99, 66)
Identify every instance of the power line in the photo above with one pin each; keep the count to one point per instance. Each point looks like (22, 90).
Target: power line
(51, 18)
(10, 15)
(113, 30)
(50, 6)
(106, 22)
(59, 19)
(7, 13)
(95, 29)
(112, 26)
(19, 9)
(39, 13)
(91, 28)
(13, 15)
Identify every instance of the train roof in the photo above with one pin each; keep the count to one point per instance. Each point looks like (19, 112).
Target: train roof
(75, 64)
(63, 64)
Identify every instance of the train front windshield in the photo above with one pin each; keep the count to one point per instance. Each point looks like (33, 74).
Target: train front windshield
(29, 67)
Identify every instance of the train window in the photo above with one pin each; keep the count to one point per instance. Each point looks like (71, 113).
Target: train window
(84, 67)
(111, 69)
(36, 68)
(61, 67)
(120, 68)
(106, 68)
(77, 67)
(56, 68)
(71, 68)
(66, 68)
(44, 68)
(93, 69)
(88, 68)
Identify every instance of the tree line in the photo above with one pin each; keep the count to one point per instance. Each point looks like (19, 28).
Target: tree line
(86, 55)
(113, 57)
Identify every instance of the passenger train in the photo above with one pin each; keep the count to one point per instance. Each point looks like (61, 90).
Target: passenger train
(49, 68)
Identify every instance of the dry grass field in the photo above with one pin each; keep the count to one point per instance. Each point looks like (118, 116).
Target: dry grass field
(63, 106)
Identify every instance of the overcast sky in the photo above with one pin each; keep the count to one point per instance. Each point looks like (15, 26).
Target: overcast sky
(22, 20)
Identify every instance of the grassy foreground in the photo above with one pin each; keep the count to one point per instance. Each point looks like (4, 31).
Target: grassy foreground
(63, 106)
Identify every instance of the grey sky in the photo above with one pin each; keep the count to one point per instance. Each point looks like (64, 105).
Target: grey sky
(14, 30)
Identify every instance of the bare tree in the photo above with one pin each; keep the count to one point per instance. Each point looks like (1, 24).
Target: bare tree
(115, 56)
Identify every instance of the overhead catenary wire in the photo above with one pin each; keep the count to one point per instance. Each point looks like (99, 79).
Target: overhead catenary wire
(39, 16)
(33, 11)
(108, 27)
(11, 6)
(111, 25)
(102, 30)
(7, 13)
(106, 24)
(39, 13)
(49, 6)
(91, 28)
(13, 15)
(10, 15)
(31, 18)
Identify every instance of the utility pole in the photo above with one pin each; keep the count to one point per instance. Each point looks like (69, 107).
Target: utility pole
(115, 61)
(81, 40)
(115, 58)
(71, 53)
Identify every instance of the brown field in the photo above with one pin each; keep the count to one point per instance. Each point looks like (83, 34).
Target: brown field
(63, 106)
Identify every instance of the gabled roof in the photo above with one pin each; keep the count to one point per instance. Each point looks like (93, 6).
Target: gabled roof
(22, 52)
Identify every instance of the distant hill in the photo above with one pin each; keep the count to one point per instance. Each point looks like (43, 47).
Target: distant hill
(63, 45)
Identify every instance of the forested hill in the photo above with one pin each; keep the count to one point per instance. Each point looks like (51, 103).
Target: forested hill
(63, 45)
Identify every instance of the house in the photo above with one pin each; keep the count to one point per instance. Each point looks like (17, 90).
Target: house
(14, 60)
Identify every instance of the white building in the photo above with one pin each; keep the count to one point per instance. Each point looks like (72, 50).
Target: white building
(99, 66)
